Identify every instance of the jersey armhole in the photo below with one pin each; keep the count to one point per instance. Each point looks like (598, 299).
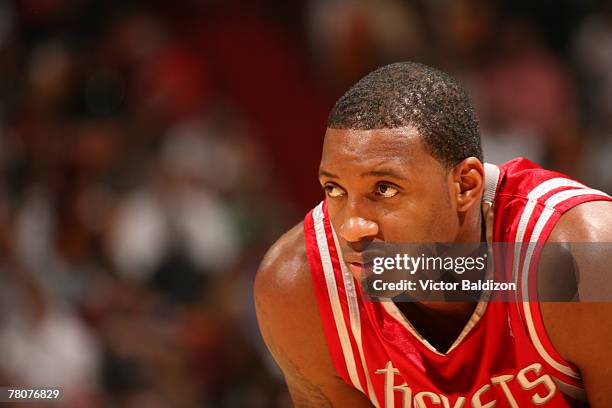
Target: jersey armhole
(564, 371)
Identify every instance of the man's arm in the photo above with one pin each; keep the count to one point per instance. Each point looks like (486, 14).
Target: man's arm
(582, 332)
(291, 327)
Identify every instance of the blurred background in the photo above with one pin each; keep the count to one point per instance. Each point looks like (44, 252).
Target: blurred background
(150, 151)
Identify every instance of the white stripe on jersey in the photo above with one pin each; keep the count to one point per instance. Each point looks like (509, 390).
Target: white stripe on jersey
(532, 199)
(332, 291)
(355, 318)
(542, 220)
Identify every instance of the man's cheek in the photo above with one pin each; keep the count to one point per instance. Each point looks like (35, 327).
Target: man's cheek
(398, 230)
(334, 219)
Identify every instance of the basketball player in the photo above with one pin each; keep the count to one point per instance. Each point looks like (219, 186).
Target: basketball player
(402, 162)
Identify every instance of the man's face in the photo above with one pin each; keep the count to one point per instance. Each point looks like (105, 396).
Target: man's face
(383, 186)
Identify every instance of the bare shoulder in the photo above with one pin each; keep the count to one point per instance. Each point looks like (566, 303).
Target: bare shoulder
(284, 295)
(579, 247)
(289, 320)
(587, 222)
(284, 272)
(582, 331)
(286, 305)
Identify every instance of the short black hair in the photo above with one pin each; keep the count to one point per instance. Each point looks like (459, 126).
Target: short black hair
(411, 94)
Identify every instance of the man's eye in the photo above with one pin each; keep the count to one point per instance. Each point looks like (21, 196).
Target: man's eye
(333, 191)
(386, 190)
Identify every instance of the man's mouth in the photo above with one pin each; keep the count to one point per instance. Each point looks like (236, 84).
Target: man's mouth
(360, 270)
(361, 263)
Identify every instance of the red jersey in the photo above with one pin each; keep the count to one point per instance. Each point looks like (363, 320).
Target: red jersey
(502, 357)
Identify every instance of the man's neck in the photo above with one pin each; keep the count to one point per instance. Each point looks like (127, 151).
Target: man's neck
(473, 231)
(440, 323)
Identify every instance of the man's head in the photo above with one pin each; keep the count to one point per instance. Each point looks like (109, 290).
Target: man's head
(402, 159)
(407, 94)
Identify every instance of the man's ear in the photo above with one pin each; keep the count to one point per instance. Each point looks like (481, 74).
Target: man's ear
(468, 179)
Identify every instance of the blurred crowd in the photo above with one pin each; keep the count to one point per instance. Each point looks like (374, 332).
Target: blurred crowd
(151, 151)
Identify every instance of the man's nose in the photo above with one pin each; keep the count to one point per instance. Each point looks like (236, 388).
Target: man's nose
(356, 229)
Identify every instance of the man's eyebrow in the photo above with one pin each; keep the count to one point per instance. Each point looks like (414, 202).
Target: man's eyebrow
(327, 174)
(383, 173)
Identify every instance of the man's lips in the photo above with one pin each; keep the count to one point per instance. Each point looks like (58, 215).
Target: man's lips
(361, 263)
(359, 269)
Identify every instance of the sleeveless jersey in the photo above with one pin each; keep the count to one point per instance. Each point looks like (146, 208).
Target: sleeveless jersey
(503, 356)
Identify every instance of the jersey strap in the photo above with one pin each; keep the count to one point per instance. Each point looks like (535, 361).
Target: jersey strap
(339, 308)
(544, 206)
